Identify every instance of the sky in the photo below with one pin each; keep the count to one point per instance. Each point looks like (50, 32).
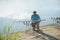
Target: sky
(20, 9)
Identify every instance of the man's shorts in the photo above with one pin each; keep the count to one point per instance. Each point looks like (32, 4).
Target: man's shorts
(34, 24)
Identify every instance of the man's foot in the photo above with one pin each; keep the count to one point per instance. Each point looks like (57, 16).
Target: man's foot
(34, 30)
(39, 31)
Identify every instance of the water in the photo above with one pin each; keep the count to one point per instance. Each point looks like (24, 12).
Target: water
(18, 26)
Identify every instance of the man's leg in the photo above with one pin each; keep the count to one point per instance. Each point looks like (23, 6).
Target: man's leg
(38, 27)
(33, 28)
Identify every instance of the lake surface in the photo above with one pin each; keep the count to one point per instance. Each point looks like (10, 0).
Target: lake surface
(19, 26)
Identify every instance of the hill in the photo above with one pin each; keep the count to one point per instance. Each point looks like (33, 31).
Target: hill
(48, 32)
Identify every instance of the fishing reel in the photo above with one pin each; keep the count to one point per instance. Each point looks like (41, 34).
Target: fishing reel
(27, 23)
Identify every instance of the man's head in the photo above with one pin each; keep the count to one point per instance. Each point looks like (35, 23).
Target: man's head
(34, 12)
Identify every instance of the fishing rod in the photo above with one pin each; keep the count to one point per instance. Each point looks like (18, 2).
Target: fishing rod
(28, 22)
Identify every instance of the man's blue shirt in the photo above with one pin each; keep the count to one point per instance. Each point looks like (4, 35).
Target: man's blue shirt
(35, 17)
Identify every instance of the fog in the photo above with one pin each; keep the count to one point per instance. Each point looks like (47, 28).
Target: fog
(20, 9)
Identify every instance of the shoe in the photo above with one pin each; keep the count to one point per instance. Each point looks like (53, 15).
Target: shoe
(39, 31)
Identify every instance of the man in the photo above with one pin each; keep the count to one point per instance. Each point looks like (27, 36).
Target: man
(35, 20)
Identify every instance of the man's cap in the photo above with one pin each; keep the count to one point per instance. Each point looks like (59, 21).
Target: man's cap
(34, 11)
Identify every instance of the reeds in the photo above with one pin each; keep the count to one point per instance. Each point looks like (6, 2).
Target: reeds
(7, 35)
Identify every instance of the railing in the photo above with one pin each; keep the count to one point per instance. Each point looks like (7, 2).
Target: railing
(56, 19)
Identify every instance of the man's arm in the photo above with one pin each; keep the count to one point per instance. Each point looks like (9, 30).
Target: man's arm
(32, 17)
(39, 17)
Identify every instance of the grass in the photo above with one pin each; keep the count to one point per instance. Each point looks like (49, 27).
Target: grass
(7, 35)
(1, 37)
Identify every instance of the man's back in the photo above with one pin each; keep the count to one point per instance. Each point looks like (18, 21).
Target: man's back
(35, 17)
